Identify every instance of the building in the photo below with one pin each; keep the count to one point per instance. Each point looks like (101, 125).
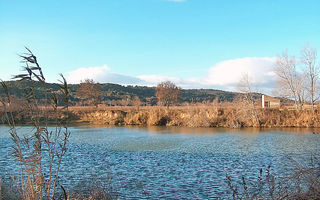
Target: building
(270, 102)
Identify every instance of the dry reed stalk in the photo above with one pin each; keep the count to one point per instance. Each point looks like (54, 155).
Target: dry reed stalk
(43, 146)
(303, 183)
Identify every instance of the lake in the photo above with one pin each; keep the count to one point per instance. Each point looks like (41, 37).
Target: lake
(172, 162)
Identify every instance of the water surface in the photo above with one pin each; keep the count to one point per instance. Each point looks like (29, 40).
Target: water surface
(172, 163)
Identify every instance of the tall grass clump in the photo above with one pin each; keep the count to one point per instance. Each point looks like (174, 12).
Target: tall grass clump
(38, 153)
(301, 183)
(93, 189)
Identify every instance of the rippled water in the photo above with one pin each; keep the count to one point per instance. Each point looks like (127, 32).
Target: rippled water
(172, 163)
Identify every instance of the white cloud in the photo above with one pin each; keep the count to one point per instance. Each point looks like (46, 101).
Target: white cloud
(102, 75)
(228, 73)
(155, 79)
(224, 75)
(87, 73)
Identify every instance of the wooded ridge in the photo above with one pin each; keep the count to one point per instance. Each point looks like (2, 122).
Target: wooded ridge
(115, 92)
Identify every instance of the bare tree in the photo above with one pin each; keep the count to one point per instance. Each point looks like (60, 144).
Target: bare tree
(90, 91)
(136, 102)
(308, 58)
(167, 93)
(248, 97)
(289, 80)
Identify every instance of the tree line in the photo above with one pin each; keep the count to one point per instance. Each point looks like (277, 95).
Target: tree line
(115, 95)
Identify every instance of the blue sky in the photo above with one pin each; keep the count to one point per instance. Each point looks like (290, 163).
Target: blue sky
(194, 43)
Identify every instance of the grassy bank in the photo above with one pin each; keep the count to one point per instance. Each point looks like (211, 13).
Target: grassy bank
(186, 116)
(198, 116)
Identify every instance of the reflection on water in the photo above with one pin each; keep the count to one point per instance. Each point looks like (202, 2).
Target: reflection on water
(173, 162)
(187, 130)
(200, 130)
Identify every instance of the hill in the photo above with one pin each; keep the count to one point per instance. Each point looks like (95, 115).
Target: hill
(115, 92)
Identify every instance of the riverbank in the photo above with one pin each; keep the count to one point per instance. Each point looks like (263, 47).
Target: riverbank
(187, 116)
(200, 117)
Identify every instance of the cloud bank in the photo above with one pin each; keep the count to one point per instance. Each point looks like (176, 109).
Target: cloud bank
(227, 74)
(224, 75)
(102, 75)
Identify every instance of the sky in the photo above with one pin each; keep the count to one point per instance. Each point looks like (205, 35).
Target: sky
(193, 43)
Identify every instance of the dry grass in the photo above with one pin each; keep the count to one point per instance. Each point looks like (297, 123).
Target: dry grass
(93, 191)
(93, 194)
(302, 184)
(200, 116)
(219, 115)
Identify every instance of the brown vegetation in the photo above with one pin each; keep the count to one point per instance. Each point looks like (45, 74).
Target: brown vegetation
(167, 93)
(90, 92)
(302, 184)
(240, 113)
(38, 154)
(232, 115)
(191, 116)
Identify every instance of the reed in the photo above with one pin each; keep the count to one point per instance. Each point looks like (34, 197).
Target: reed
(198, 116)
(39, 153)
(303, 183)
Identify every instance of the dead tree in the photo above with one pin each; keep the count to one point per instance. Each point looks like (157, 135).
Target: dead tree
(248, 98)
(308, 58)
(290, 82)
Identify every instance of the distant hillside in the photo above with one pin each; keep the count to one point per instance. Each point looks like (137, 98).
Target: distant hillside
(119, 92)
